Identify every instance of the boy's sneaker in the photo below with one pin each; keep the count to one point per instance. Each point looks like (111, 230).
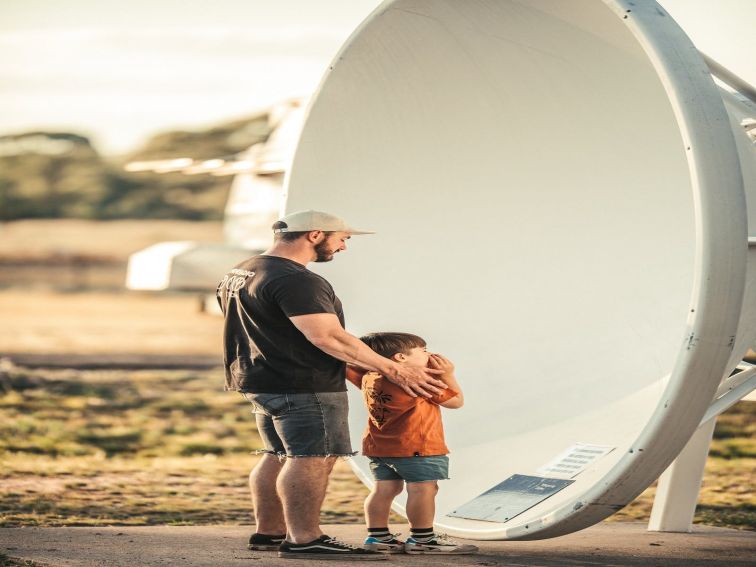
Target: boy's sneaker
(263, 542)
(326, 547)
(439, 544)
(384, 545)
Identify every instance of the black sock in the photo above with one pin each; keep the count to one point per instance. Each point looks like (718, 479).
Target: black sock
(422, 534)
(379, 533)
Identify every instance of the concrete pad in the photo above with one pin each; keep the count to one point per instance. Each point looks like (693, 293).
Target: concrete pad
(607, 544)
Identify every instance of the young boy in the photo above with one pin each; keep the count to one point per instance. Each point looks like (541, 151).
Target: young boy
(404, 441)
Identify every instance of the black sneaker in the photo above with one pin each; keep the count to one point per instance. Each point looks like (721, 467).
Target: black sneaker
(326, 547)
(263, 542)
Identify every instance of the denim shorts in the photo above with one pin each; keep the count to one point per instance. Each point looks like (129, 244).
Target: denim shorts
(410, 469)
(303, 424)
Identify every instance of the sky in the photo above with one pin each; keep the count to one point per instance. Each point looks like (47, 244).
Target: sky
(121, 71)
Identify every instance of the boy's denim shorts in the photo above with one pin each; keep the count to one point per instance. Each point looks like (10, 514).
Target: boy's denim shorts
(303, 424)
(410, 469)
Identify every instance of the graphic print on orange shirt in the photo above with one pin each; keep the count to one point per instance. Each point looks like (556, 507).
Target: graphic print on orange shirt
(377, 407)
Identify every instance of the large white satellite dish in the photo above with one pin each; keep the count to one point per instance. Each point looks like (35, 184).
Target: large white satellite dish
(558, 190)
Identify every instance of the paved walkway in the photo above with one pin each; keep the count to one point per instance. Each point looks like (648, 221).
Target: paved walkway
(607, 544)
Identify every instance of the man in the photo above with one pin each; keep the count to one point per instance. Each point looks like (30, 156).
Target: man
(285, 350)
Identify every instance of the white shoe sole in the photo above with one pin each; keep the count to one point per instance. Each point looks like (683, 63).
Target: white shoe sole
(413, 550)
(335, 556)
(263, 547)
(383, 548)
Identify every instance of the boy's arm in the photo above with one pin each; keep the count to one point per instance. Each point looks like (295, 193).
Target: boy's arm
(442, 363)
(354, 374)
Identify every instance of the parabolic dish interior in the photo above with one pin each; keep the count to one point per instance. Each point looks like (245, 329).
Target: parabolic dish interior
(560, 210)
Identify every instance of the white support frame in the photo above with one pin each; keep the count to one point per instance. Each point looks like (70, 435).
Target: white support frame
(679, 485)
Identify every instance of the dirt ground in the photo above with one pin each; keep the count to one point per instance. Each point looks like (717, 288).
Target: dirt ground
(38, 238)
(51, 322)
(610, 545)
(62, 290)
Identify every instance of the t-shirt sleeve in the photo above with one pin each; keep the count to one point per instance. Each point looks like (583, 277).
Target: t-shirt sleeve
(443, 396)
(303, 294)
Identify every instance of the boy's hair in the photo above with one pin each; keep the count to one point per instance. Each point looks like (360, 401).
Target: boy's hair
(389, 344)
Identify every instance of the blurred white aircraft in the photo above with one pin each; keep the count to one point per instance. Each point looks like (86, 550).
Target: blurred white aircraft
(253, 205)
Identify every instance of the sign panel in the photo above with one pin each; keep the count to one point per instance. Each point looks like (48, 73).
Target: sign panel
(510, 498)
(574, 460)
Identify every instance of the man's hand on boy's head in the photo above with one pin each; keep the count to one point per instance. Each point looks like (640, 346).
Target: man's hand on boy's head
(440, 362)
(417, 381)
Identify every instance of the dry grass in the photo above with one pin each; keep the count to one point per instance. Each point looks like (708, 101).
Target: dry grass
(6, 561)
(136, 448)
(200, 489)
(727, 495)
(169, 447)
(106, 323)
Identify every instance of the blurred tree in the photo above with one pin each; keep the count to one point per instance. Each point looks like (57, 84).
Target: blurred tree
(59, 174)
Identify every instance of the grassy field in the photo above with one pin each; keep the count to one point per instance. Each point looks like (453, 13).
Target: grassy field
(148, 447)
(136, 448)
(6, 561)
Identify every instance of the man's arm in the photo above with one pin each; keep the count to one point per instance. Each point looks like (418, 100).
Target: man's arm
(325, 331)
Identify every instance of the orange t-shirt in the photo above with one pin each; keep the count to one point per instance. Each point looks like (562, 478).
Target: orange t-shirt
(400, 425)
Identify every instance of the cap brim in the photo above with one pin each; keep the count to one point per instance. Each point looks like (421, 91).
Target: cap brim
(358, 232)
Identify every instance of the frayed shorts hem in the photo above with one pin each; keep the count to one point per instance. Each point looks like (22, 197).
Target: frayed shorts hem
(282, 456)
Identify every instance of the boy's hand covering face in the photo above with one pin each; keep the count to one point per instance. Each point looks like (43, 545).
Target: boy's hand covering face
(439, 362)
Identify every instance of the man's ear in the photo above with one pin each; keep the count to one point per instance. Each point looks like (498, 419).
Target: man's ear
(399, 357)
(314, 236)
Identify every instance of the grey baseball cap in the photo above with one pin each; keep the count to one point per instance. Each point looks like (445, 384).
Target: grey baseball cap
(304, 221)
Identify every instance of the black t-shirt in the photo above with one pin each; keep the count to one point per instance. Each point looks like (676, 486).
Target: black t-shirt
(263, 350)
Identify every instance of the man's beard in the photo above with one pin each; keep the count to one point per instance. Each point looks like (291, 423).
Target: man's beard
(323, 254)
